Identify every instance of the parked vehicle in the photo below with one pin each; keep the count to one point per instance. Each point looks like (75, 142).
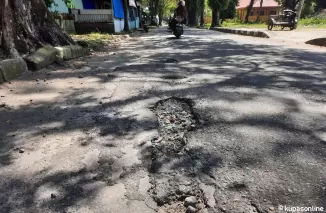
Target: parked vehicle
(287, 19)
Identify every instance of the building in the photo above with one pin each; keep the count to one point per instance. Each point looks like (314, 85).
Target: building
(269, 7)
(100, 15)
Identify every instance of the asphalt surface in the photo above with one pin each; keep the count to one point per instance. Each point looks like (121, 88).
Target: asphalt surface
(82, 140)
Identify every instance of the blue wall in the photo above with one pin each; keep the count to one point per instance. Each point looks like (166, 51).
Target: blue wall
(118, 9)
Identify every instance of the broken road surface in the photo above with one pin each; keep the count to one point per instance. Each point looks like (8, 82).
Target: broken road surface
(211, 122)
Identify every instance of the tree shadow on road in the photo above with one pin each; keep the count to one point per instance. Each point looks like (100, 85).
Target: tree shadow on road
(264, 105)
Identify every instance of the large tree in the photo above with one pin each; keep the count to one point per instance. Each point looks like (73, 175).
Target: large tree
(26, 25)
(296, 5)
(260, 7)
(217, 6)
(201, 6)
(249, 9)
(300, 7)
(125, 4)
(192, 7)
(230, 11)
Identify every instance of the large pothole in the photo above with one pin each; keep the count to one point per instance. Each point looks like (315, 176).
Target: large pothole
(173, 181)
(176, 117)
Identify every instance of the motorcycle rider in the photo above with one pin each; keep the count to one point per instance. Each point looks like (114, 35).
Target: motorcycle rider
(180, 12)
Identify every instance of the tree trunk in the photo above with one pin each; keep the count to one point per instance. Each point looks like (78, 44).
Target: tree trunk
(26, 26)
(202, 18)
(215, 18)
(300, 7)
(193, 17)
(126, 16)
(160, 16)
(251, 4)
(261, 5)
(202, 9)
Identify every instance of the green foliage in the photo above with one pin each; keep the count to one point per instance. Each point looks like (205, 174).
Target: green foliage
(313, 22)
(218, 4)
(230, 12)
(309, 8)
(317, 21)
(69, 3)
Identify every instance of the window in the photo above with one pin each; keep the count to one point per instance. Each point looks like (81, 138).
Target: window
(272, 13)
(261, 13)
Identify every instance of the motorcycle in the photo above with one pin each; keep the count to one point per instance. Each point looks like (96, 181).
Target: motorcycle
(178, 30)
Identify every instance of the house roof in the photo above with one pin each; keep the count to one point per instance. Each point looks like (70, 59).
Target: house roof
(266, 3)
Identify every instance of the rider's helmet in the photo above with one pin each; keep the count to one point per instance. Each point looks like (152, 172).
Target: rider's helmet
(181, 3)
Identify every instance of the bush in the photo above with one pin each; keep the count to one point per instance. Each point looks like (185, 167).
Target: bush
(317, 21)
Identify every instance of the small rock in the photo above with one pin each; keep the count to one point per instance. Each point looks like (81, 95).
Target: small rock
(190, 201)
(21, 150)
(200, 206)
(80, 76)
(44, 135)
(37, 80)
(290, 190)
(2, 105)
(272, 208)
(223, 209)
(31, 100)
(53, 196)
(167, 121)
(44, 80)
(191, 209)
(204, 211)
(101, 102)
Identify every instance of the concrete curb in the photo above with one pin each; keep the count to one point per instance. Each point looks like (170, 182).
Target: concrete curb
(253, 33)
(41, 58)
(70, 52)
(317, 42)
(91, 44)
(11, 68)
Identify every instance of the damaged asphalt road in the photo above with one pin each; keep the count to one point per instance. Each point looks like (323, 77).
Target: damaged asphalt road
(211, 122)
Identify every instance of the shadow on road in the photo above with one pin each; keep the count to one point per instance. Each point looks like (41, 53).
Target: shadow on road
(262, 106)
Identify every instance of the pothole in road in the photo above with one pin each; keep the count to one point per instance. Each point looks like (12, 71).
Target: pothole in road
(173, 77)
(171, 60)
(172, 169)
(175, 117)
